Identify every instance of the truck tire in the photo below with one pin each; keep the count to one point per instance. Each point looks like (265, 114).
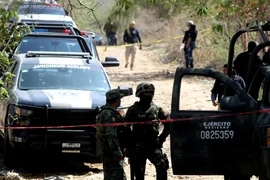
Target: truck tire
(236, 177)
(9, 154)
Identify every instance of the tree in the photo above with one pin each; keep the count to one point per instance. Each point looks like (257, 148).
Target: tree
(223, 10)
(10, 37)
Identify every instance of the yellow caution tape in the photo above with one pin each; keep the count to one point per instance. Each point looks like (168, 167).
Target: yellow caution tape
(160, 40)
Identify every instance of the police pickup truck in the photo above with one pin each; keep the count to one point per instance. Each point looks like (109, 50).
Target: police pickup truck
(54, 90)
(233, 141)
(58, 82)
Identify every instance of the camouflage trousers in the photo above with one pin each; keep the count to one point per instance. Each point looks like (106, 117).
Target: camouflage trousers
(113, 170)
(156, 157)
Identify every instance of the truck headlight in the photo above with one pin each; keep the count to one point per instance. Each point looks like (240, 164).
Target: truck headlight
(23, 112)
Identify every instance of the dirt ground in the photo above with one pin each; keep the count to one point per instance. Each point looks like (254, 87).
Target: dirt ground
(148, 68)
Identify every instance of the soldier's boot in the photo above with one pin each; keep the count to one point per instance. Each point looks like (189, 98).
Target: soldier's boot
(161, 173)
(162, 166)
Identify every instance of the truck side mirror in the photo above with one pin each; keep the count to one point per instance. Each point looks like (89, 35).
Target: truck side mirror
(232, 103)
(110, 62)
(126, 90)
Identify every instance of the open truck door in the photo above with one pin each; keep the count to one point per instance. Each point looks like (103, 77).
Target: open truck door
(210, 141)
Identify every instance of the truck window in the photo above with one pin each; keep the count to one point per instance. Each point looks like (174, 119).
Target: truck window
(196, 93)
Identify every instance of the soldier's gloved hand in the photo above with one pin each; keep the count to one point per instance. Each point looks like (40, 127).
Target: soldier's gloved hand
(160, 141)
(140, 47)
(118, 158)
(127, 152)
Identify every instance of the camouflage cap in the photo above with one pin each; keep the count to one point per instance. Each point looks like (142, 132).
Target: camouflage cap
(113, 94)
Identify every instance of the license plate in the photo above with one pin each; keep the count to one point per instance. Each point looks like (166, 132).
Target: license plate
(71, 145)
(71, 151)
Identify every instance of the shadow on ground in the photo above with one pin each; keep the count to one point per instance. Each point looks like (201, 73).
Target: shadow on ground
(42, 167)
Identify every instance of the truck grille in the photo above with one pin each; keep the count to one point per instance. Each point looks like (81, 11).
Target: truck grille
(71, 117)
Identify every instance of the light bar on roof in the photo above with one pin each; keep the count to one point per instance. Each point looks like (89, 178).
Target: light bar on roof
(48, 53)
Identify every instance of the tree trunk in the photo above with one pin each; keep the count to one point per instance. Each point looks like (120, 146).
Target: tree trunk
(244, 36)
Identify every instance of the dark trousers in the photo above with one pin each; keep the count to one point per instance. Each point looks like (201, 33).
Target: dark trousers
(189, 55)
(156, 157)
(113, 170)
(111, 39)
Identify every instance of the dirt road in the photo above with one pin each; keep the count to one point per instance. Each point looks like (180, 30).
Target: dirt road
(147, 68)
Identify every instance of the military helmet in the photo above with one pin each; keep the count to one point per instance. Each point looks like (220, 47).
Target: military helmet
(144, 87)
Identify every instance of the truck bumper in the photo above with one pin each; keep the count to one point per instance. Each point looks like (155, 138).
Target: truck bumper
(67, 142)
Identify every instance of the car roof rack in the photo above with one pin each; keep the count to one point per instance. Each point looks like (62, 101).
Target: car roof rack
(48, 53)
(74, 30)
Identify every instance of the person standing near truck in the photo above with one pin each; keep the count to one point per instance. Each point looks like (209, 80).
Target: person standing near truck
(189, 41)
(131, 38)
(112, 150)
(147, 143)
(241, 62)
(219, 87)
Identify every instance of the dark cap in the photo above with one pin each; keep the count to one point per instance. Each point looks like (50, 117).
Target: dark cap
(114, 94)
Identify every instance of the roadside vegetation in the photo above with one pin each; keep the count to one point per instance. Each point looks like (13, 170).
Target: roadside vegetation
(216, 23)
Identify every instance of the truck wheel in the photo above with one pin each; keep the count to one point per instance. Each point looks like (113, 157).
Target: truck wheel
(236, 177)
(9, 154)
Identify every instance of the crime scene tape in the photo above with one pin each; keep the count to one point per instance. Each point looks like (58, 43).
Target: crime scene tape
(141, 123)
(159, 41)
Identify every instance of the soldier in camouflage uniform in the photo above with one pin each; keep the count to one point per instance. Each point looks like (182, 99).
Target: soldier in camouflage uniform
(146, 138)
(112, 153)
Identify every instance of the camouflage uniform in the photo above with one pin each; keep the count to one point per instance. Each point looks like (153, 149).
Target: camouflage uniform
(145, 136)
(110, 144)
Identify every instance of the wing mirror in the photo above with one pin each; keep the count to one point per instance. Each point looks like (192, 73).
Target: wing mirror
(232, 103)
(110, 62)
(126, 90)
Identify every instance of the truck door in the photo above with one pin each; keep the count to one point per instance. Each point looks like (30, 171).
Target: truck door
(205, 140)
(260, 90)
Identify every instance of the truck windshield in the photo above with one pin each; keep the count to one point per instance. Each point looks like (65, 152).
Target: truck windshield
(56, 44)
(55, 10)
(57, 76)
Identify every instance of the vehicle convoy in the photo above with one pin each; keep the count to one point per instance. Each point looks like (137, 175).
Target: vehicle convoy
(54, 89)
(46, 13)
(57, 38)
(233, 141)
